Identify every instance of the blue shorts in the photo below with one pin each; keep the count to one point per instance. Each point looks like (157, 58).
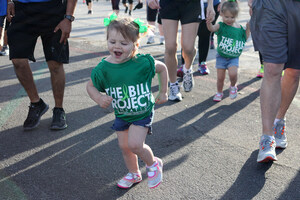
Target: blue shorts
(225, 63)
(121, 125)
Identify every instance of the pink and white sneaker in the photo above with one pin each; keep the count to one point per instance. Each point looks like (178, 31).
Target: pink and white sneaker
(155, 174)
(130, 179)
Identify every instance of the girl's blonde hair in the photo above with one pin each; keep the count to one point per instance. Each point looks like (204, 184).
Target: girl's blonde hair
(127, 27)
(231, 6)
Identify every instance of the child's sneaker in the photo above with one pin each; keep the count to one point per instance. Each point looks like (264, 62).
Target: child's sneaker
(175, 94)
(218, 97)
(180, 71)
(280, 134)
(188, 81)
(233, 92)
(203, 70)
(260, 72)
(130, 179)
(266, 149)
(155, 174)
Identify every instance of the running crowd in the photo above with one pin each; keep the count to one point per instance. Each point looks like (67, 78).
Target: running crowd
(131, 96)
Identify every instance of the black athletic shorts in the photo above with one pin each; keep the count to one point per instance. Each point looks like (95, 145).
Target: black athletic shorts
(32, 20)
(87, 2)
(185, 11)
(129, 1)
(151, 15)
(115, 4)
(2, 22)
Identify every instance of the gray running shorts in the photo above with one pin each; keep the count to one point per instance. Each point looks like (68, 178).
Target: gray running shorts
(275, 28)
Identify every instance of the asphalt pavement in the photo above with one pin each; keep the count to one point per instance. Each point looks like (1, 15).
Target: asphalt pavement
(209, 149)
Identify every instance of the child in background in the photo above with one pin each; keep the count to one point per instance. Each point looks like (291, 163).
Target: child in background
(123, 80)
(231, 40)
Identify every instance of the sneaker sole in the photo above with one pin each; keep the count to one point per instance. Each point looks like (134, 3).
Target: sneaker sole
(58, 128)
(43, 112)
(267, 159)
(122, 187)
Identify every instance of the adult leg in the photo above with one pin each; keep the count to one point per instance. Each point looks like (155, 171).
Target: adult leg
(270, 95)
(170, 28)
(58, 82)
(130, 158)
(188, 37)
(24, 74)
(136, 143)
(289, 86)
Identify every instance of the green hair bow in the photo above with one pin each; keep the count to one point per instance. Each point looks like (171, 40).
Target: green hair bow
(142, 28)
(110, 19)
(231, 0)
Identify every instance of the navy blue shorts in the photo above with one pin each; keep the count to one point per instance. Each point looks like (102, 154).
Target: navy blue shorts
(121, 125)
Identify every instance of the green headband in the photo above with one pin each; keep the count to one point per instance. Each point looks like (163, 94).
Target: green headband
(142, 28)
(231, 0)
(110, 19)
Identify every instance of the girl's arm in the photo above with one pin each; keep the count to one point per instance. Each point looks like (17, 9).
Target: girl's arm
(247, 30)
(102, 100)
(161, 70)
(211, 27)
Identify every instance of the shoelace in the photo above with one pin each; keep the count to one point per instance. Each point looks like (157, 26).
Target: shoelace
(267, 143)
(187, 77)
(174, 90)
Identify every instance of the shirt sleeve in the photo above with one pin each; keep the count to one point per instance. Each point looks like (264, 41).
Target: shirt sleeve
(220, 29)
(152, 65)
(97, 79)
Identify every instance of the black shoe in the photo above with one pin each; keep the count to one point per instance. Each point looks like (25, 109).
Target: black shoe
(90, 12)
(126, 9)
(58, 119)
(34, 115)
(129, 12)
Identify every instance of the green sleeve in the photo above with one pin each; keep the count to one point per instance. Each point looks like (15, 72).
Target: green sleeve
(220, 28)
(97, 78)
(152, 65)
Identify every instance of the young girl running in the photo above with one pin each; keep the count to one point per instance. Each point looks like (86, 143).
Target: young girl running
(123, 79)
(231, 40)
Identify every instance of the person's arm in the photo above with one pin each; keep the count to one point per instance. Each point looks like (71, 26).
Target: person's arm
(154, 4)
(10, 10)
(161, 70)
(211, 27)
(210, 11)
(102, 100)
(66, 24)
(247, 30)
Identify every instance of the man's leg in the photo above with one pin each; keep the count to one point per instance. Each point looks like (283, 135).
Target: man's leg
(37, 107)
(58, 88)
(58, 82)
(289, 87)
(24, 74)
(270, 95)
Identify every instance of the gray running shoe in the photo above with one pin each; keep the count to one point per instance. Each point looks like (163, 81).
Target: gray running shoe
(266, 150)
(155, 174)
(188, 81)
(130, 179)
(175, 94)
(150, 40)
(280, 134)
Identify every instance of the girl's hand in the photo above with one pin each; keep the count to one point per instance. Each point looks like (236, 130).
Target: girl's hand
(161, 98)
(105, 101)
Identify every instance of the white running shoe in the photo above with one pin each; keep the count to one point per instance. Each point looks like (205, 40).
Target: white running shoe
(155, 174)
(266, 149)
(233, 92)
(175, 94)
(280, 134)
(188, 81)
(130, 179)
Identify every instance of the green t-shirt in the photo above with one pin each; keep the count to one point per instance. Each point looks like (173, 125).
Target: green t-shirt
(231, 40)
(129, 84)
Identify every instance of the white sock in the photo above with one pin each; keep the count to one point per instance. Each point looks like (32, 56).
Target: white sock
(172, 84)
(275, 121)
